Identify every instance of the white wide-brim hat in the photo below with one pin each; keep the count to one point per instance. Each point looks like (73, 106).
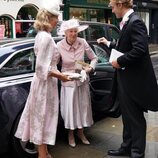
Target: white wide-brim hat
(51, 6)
(70, 24)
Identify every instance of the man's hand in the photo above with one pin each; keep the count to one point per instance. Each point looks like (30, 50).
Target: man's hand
(102, 40)
(115, 64)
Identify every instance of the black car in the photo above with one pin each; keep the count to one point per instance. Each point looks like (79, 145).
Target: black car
(17, 66)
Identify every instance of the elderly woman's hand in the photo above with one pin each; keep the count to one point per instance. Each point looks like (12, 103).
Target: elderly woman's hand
(83, 75)
(88, 69)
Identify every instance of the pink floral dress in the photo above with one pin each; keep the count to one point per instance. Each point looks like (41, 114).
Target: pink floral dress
(38, 122)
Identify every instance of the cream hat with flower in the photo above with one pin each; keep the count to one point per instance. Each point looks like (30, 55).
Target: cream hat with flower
(51, 6)
(70, 24)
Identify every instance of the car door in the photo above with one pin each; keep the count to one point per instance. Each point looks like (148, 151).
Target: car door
(16, 73)
(101, 83)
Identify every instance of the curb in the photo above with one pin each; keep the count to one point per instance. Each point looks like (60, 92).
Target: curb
(153, 53)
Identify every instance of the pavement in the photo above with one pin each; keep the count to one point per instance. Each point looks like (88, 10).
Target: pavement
(107, 134)
(153, 49)
(104, 135)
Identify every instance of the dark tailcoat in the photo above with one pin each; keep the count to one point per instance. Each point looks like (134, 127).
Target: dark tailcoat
(138, 78)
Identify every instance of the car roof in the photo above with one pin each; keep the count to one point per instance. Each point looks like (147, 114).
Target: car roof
(20, 41)
(91, 23)
(9, 46)
(95, 23)
(32, 31)
(13, 42)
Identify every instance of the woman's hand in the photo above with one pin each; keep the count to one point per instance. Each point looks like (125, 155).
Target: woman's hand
(83, 75)
(65, 78)
(59, 75)
(88, 69)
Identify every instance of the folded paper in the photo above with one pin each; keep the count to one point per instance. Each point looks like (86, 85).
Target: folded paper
(114, 55)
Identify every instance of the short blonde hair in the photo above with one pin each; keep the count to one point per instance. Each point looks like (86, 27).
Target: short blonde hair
(42, 22)
(126, 3)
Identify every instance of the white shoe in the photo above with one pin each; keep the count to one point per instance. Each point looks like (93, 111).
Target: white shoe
(72, 142)
(83, 139)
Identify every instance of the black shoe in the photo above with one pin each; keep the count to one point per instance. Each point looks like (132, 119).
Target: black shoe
(119, 152)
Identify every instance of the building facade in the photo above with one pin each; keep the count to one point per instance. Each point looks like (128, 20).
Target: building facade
(148, 11)
(16, 17)
(98, 10)
(90, 10)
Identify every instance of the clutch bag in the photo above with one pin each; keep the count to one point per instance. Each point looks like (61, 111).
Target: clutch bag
(73, 75)
(81, 64)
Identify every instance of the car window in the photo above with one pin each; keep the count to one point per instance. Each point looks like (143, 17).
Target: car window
(96, 31)
(114, 34)
(32, 31)
(92, 33)
(83, 34)
(21, 63)
(102, 55)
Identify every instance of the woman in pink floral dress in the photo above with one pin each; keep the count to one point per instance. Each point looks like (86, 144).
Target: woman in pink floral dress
(39, 119)
(75, 95)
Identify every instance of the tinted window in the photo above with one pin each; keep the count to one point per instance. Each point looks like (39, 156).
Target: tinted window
(96, 31)
(21, 63)
(113, 33)
(93, 32)
(84, 34)
(102, 55)
(32, 31)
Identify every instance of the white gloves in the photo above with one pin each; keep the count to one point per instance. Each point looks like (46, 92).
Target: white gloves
(83, 75)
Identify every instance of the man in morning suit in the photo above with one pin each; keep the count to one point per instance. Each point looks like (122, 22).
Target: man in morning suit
(136, 82)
